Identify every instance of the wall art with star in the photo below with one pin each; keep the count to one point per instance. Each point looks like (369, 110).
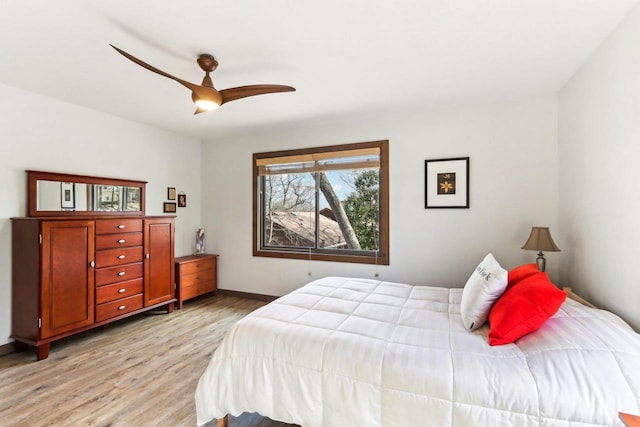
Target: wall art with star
(446, 183)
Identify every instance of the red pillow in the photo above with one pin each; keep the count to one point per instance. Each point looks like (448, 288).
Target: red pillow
(520, 273)
(524, 308)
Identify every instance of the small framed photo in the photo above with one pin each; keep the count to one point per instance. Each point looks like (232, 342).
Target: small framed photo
(67, 195)
(169, 207)
(446, 183)
(182, 200)
(171, 193)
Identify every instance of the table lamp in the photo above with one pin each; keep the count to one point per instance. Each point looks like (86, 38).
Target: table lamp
(540, 240)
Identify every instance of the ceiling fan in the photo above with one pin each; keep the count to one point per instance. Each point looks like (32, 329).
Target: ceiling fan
(206, 96)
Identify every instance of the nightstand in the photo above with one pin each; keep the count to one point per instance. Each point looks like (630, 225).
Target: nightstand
(195, 275)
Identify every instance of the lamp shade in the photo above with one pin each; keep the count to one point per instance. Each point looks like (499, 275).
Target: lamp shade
(540, 240)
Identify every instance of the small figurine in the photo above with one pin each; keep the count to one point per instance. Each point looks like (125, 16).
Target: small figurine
(200, 241)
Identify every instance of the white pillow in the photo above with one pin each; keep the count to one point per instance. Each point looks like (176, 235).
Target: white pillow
(486, 284)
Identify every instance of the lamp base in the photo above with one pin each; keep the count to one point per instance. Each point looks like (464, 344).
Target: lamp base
(541, 261)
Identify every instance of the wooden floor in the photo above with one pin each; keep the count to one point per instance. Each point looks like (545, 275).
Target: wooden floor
(138, 372)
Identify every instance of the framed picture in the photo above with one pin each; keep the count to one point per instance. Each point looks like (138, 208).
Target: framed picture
(182, 200)
(171, 193)
(446, 183)
(169, 207)
(67, 195)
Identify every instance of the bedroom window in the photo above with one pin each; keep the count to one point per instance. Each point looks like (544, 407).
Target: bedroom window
(323, 203)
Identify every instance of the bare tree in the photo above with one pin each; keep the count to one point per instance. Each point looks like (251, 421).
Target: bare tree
(285, 193)
(289, 192)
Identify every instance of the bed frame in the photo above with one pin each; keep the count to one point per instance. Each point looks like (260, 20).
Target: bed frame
(577, 297)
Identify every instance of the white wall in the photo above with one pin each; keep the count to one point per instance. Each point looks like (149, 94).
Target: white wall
(45, 134)
(599, 181)
(513, 151)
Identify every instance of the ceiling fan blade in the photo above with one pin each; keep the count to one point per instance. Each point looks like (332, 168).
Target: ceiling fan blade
(193, 87)
(240, 92)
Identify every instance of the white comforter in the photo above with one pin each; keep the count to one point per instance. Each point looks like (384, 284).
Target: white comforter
(356, 352)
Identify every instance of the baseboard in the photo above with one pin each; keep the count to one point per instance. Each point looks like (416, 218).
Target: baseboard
(248, 295)
(7, 348)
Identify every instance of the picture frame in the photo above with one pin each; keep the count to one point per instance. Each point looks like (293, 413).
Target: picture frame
(182, 200)
(446, 183)
(171, 193)
(169, 207)
(67, 195)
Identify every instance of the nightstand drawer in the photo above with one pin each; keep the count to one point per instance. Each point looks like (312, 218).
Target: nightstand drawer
(118, 307)
(118, 290)
(195, 266)
(200, 277)
(195, 290)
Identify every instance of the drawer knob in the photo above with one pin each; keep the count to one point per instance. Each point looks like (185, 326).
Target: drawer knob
(121, 241)
(121, 290)
(120, 226)
(122, 307)
(121, 256)
(121, 273)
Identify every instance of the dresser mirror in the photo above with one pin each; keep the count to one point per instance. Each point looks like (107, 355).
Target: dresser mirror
(57, 194)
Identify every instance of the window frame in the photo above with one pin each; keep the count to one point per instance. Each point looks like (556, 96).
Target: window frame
(380, 257)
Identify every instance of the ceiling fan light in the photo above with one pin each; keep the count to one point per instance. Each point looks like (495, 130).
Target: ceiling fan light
(206, 104)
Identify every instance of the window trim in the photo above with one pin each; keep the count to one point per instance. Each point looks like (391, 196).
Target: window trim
(381, 257)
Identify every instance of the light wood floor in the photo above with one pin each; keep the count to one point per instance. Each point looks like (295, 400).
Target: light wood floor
(139, 372)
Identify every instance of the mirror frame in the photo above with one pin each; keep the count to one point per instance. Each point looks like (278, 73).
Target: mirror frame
(32, 193)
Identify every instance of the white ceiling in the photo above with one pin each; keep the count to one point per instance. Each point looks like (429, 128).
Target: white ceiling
(343, 57)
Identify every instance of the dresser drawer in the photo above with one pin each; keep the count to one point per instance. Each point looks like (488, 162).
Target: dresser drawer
(118, 290)
(195, 266)
(196, 289)
(104, 276)
(206, 276)
(118, 240)
(109, 226)
(111, 257)
(118, 307)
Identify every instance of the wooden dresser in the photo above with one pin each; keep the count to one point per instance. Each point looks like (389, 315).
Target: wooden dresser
(70, 275)
(195, 275)
(86, 255)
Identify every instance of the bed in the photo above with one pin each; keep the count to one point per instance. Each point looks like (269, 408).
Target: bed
(358, 352)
